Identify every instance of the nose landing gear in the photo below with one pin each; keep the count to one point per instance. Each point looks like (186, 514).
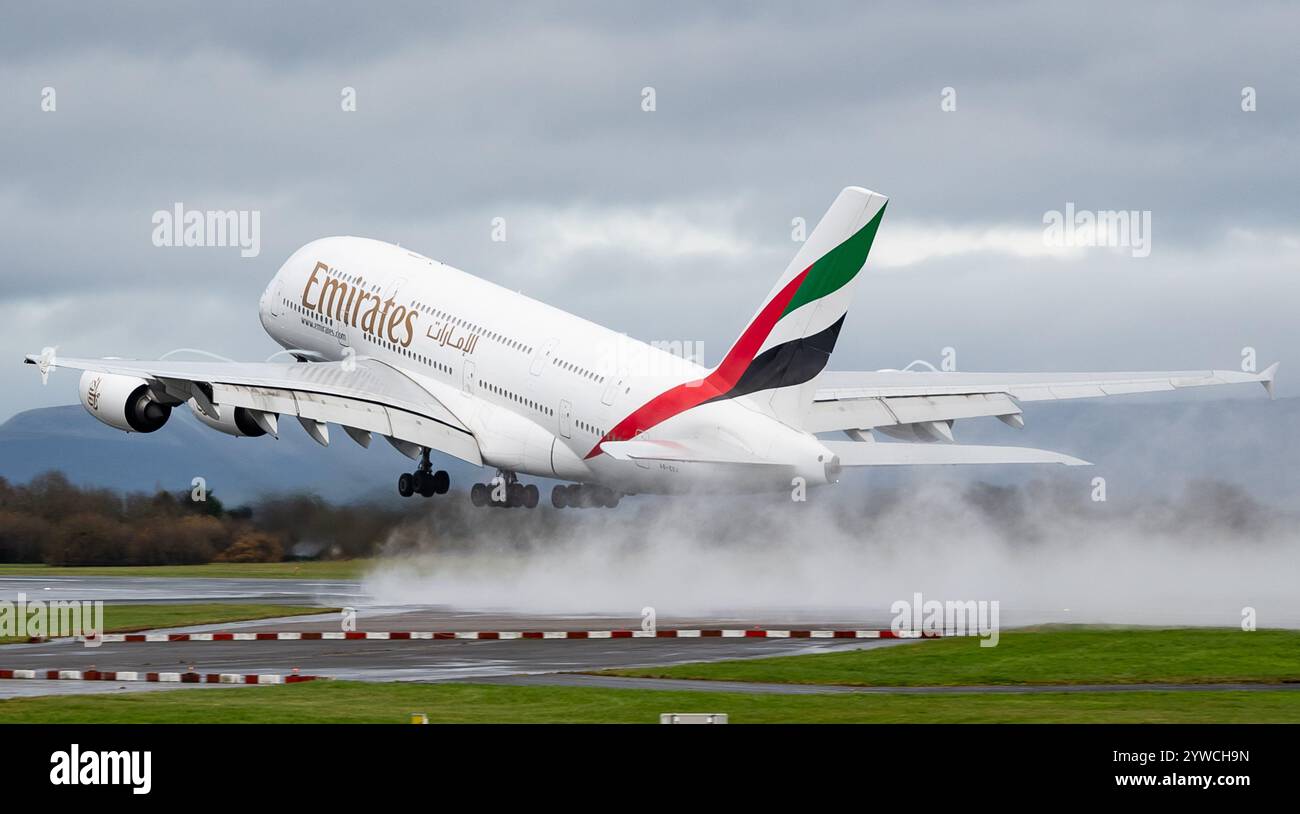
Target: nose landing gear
(424, 480)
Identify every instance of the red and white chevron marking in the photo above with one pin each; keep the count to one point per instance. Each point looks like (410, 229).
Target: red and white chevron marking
(400, 635)
(165, 678)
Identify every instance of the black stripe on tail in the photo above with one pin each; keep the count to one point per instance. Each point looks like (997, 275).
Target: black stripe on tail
(787, 364)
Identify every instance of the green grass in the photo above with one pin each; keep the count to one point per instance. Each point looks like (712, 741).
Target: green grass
(1051, 656)
(1043, 656)
(310, 569)
(353, 702)
(129, 618)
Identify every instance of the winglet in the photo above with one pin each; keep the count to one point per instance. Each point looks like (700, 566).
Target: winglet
(45, 362)
(1266, 378)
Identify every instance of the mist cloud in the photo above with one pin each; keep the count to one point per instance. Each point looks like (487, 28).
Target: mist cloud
(1046, 553)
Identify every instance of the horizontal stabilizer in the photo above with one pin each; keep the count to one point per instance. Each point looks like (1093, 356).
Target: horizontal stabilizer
(857, 453)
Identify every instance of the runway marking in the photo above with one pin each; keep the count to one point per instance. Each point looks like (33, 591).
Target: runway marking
(494, 635)
(189, 677)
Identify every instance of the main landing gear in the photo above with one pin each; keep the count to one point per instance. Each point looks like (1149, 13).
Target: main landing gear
(584, 496)
(506, 492)
(424, 480)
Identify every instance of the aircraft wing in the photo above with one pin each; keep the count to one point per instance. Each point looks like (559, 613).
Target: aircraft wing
(893, 399)
(362, 395)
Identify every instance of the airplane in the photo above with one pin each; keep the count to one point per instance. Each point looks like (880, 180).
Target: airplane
(388, 342)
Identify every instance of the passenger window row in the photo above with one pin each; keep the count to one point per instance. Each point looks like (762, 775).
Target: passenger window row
(578, 370)
(498, 390)
(325, 318)
(410, 354)
(438, 313)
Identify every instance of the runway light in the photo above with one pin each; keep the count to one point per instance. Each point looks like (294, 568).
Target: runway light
(419, 718)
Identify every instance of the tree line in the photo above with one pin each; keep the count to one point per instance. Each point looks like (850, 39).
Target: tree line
(51, 520)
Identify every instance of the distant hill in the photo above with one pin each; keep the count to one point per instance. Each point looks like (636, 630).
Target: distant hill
(1139, 447)
(1155, 445)
(237, 470)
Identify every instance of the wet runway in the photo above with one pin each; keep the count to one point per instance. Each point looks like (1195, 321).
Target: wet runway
(402, 660)
(145, 590)
(377, 660)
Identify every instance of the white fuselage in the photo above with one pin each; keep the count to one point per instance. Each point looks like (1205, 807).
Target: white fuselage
(539, 387)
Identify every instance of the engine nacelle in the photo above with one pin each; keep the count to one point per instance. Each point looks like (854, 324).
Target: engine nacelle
(123, 402)
(234, 421)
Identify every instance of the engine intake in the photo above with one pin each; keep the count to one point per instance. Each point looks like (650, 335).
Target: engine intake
(122, 402)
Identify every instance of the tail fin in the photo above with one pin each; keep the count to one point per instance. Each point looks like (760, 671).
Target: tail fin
(788, 342)
(772, 365)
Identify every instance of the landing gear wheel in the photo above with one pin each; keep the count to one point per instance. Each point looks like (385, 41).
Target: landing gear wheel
(559, 495)
(515, 495)
(405, 484)
(531, 496)
(478, 494)
(424, 484)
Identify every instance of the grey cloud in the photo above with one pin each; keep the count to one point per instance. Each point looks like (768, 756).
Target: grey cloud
(471, 111)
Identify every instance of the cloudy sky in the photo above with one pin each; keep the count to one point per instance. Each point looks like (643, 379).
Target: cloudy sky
(671, 223)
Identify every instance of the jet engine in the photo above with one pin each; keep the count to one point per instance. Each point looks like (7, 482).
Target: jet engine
(124, 402)
(236, 421)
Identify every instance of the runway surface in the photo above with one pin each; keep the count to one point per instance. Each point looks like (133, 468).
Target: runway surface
(382, 660)
(526, 662)
(145, 590)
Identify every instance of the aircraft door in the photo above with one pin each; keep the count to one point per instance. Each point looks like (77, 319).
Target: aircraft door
(566, 419)
(544, 354)
(617, 384)
(395, 285)
(470, 382)
(276, 305)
